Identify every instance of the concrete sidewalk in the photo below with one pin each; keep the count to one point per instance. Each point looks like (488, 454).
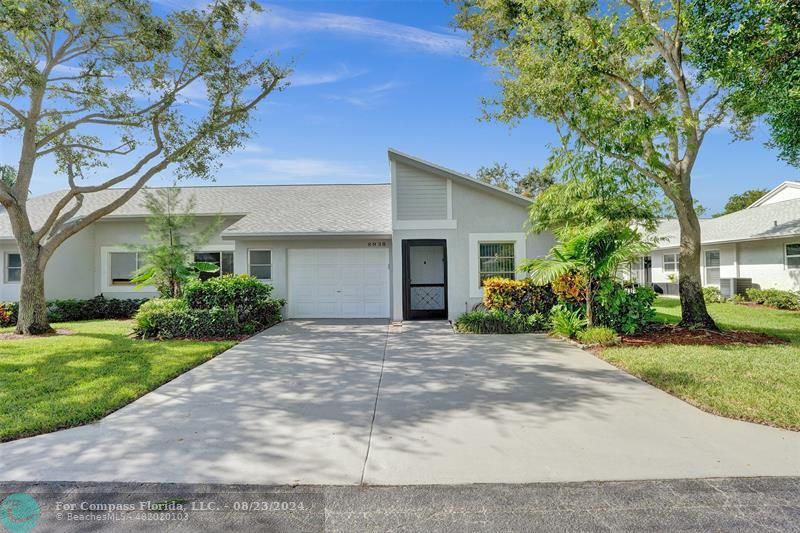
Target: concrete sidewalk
(301, 404)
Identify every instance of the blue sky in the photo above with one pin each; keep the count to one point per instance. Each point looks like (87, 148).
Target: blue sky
(374, 74)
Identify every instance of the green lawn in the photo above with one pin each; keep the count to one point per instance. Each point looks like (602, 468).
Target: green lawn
(755, 383)
(57, 382)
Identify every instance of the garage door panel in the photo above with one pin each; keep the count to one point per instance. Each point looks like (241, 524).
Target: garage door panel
(343, 282)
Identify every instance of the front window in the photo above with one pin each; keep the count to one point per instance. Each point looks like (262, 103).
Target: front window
(123, 265)
(13, 268)
(712, 267)
(793, 256)
(261, 264)
(670, 262)
(496, 260)
(224, 260)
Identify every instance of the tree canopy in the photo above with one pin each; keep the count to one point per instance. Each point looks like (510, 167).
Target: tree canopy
(500, 175)
(752, 47)
(740, 201)
(613, 77)
(96, 85)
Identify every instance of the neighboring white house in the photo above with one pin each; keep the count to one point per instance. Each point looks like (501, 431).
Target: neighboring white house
(758, 246)
(415, 248)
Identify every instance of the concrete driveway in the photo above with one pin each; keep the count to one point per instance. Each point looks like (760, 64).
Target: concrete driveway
(326, 402)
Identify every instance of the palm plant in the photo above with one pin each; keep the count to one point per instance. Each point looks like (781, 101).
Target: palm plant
(596, 252)
(173, 232)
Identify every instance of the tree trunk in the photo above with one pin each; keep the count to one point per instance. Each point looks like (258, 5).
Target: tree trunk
(690, 286)
(32, 314)
(589, 303)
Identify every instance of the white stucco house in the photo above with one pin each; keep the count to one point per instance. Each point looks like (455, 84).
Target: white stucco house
(416, 247)
(758, 246)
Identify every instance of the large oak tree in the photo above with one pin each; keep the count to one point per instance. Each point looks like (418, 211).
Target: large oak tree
(615, 76)
(87, 81)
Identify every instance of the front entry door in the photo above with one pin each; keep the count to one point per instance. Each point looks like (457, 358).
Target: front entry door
(424, 279)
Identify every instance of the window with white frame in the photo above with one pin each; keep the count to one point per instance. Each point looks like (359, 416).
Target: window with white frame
(496, 260)
(122, 265)
(260, 264)
(223, 260)
(793, 255)
(13, 268)
(670, 262)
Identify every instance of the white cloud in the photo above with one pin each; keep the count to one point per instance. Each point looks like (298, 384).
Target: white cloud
(342, 72)
(367, 97)
(297, 170)
(281, 18)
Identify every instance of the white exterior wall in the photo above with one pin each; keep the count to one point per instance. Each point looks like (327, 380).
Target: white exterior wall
(762, 261)
(79, 267)
(68, 273)
(472, 215)
(279, 251)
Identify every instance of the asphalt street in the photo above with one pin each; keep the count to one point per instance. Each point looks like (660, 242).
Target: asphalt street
(723, 504)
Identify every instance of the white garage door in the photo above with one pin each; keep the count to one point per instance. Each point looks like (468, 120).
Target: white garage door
(339, 283)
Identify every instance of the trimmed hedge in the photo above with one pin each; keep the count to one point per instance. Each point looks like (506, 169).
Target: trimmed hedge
(217, 322)
(517, 295)
(497, 321)
(72, 310)
(220, 307)
(774, 298)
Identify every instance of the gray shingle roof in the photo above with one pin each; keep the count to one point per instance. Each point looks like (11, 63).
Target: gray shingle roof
(780, 219)
(266, 209)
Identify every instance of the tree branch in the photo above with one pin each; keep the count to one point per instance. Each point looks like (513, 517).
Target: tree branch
(19, 115)
(80, 146)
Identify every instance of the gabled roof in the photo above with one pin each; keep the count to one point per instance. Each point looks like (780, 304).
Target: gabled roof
(396, 155)
(780, 219)
(264, 210)
(774, 192)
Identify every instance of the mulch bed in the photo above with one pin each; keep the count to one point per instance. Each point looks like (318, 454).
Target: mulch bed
(15, 337)
(670, 334)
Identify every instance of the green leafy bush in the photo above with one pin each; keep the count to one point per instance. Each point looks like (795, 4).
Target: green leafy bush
(566, 322)
(521, 295)
(598, 335)
(625, 309)
(250, 298)
(712, 295)
(774, 298)
(188, 323)
(243, 301)
(147, 320)
(497, 321)
(72, 310)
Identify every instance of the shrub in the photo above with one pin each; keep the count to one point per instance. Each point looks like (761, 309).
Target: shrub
(8, 313)
(226, 306)
(712, 295)
(497, 321)
(570, 289)
(774, 298)
(598, 335)
(248, 296)
(565, 321)
(183, 322)
(624, 309)
(144, 323)
(521, 295)
(95, 308)
(72, 310)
